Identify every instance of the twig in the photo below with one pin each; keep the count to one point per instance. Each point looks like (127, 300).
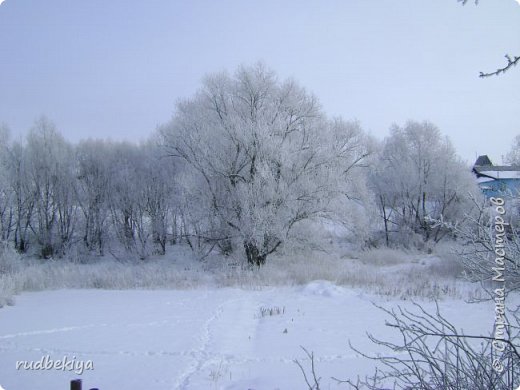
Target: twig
(315, 379)
(511, 61)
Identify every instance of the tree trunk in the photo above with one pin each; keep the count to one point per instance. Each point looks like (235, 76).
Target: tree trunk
(385, 219)
(254, 256)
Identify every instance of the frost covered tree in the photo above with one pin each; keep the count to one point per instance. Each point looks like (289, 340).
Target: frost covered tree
(267, 156)
(52, 181)
(513, 156)
(140, 195)
(17, 172)
(419, 178)
(157, 176)
(491, 244)
(124, 189)
(93, 185)
(6, 194)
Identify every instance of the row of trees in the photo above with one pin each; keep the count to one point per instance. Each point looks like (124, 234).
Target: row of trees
(244, 165)
(55, 196)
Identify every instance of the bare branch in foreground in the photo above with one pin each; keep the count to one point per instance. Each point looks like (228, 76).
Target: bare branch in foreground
(316, 381)
(433, 354)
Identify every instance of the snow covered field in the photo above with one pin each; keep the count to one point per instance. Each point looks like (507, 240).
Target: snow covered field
(203, 338)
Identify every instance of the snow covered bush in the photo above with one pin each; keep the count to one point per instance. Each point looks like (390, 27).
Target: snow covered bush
(10, 260)
(10, 266)
(490, 245)
(434, 354)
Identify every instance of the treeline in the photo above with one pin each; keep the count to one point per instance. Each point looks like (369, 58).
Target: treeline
(55, 196)
(247, 164)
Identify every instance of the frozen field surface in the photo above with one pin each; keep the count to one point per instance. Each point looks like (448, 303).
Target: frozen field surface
(202, 338)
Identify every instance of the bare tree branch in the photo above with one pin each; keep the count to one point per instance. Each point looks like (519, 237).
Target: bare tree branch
(434, 355)
(511, 61)
(315, 385)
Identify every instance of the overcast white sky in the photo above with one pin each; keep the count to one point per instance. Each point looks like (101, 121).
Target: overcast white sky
(116, 68)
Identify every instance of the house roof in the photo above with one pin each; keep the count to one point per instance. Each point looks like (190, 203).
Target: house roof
(496, 168)
(497, 173)
(484, 166)
(483, 161)
(484, 169)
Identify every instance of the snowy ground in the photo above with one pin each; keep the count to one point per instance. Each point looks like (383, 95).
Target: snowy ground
(201, 338)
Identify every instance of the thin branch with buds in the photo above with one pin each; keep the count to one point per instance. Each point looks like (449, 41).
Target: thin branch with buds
(511, 61)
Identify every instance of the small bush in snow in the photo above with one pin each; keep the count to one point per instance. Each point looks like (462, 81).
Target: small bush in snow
(271, 311)
(10, 261)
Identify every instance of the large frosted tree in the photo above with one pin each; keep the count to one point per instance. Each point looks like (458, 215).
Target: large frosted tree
(266, 155)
